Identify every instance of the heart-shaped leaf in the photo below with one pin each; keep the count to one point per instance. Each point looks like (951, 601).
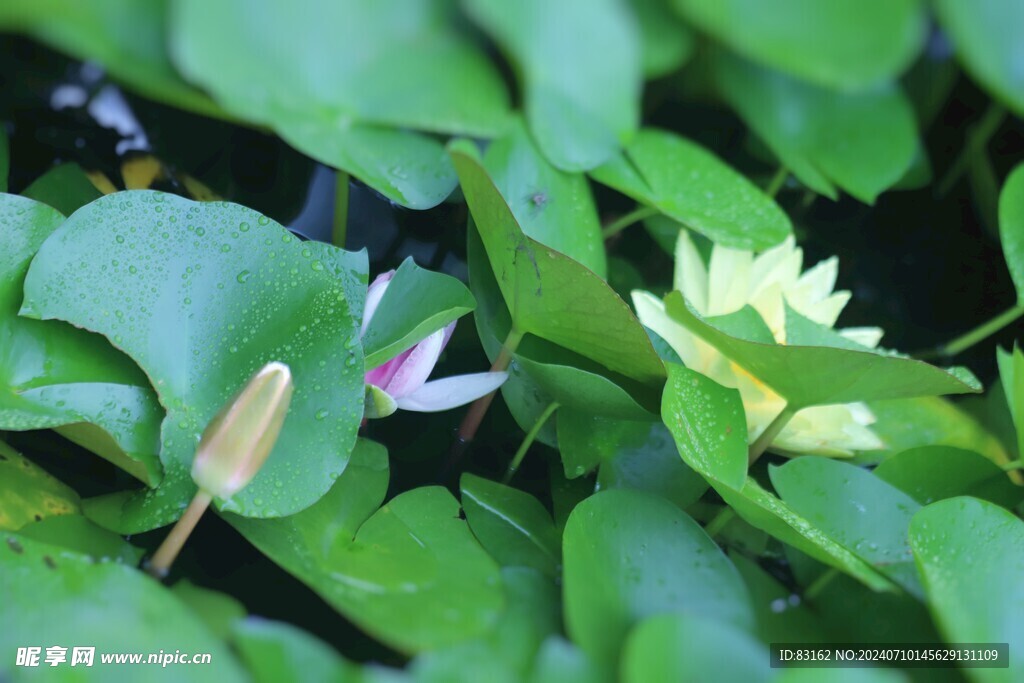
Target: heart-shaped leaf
(28, 493)
(667, 42)
(275, 651)
(416, 303)
(1011, 227)
(411, 573)
(971, 557)
(201, 295)
(840, 44)
(691, 185)
(581, 86)
(986, 39)
(511, 525)
(547, 293)
(55, 376)
(631, 555)
(58, 597)
(863, 142)
(554, 207)
(823, 375)
(853, 506)
(931, 473)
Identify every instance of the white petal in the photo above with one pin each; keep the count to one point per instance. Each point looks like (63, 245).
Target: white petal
(374, 293)
(417, 367)
(691, 276)
(651, 312)
(827, 311)
(865, 336)
(728, 280)
(770, 261)
(450, 392)
(819, 281)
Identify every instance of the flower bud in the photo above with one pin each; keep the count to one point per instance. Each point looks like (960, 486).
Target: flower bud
(238, 440)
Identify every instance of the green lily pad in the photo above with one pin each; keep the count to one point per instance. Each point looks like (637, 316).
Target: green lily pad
(511, 525)
(29, 493)
(686, 647)
(128, 38)
(54, 375)
(559, 661)
(65, 187)
(140, 268)
(931, 473)
(667, 42)
(782, 617)
(548, 294)
(852, 505)
(971, 557)
(864, 142)
(77, 533)
(417, 303)
(410, 574)
(987, 42)
(631, 555)
(219, 611)
(840, 44)
(581, 85)
(1011, 226)
(552, 206)
(691, 185)
(274, 651)
(823, 375)
(54, 596)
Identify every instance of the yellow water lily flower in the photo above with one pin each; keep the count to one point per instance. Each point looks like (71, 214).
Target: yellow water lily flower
(734, 278)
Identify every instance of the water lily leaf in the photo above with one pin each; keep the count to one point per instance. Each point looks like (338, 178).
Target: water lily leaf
(686, 647)
(667, 42)
(781, 615)
(559, 661)
(128, 38)
(55, 375)
(1011, 226)
(77, 533)
(859, 510)
(219, 611)
(712, 438)
(65, 187)
(105, 605)
(931, 473)
(843, 44)
(511, 525)
(410, 574)
(691, 185)
(631, 555)
(632, 455)
(553, 207)
(416, 303)
(985, 39)
(702, 417)
(29, 493)
(820, 375)
(274, 651)
(397, 63)
(863, 142)
(547, 293)
(581, 86)
(865, 675)
(971, 557)
(139, 268)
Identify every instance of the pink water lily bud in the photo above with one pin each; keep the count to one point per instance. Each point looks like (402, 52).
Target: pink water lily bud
(404, 378)
(238, 440)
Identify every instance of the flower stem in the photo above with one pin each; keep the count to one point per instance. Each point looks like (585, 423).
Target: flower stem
(777, 181)
(634, 216)
(819, 584)
(340, 227)
(517, 459)
(977, 137)
(979, 333)
(476, 412)
(160, 564)
(719, 521)
(762, 442)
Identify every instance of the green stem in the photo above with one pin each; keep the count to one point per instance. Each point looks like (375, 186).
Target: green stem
(476, 412)
(718, 522)
(979, 333)
(777, 181)
(819, 584)
(977, 137)
(160, 564)
(634, 216)
(1014, 465)
(762, 442)
(528, 440)
(340, 228)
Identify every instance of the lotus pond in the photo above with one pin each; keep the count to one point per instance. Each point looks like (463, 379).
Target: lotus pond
(471, 340)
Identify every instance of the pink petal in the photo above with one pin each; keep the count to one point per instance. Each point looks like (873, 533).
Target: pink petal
(416, 367)
(451, 392)
(381, 375)
(374, 293)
